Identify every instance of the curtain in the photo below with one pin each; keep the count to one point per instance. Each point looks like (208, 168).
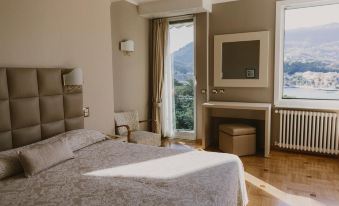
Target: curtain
(167, 110)
(159, 44)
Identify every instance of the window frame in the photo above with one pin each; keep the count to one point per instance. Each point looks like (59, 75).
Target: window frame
(281, 6)
(178, 133)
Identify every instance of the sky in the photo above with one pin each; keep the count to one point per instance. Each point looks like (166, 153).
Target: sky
(179, 37)
(311, 16)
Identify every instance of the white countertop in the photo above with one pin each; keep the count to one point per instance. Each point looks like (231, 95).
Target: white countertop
(238, 105)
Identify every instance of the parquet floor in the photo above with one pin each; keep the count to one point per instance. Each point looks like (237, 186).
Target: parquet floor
(285, 178)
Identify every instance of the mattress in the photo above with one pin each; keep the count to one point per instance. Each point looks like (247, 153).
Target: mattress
(115, 173)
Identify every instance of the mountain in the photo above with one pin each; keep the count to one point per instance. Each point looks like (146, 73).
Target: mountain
(312, 57)
(314, 35)
(318, 44)
(183, 63)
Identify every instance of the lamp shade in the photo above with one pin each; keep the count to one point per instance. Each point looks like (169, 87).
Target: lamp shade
(73, 78)
(127, 46)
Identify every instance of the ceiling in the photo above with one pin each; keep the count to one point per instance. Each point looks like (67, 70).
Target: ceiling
(137, 2)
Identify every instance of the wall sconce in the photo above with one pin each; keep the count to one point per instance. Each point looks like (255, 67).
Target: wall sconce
(73, 80)
(127, 47)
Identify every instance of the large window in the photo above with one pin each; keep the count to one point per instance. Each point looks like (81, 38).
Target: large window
(182, 56)
(178, 108)
(307, 51)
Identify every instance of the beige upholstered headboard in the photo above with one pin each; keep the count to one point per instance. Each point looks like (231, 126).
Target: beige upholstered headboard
(34, 106)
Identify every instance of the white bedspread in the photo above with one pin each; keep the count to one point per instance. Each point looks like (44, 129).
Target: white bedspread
(113, 173)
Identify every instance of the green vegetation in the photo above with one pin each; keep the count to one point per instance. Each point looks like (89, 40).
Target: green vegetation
(184, 104)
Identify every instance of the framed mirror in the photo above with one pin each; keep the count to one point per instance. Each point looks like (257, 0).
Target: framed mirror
(241, 60)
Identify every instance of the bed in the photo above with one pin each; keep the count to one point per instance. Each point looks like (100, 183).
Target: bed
(36, 111)
(115, 173)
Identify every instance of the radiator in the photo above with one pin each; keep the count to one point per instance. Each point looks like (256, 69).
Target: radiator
(309, 131)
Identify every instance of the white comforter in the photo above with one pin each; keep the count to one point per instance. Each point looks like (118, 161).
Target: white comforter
(113, 173)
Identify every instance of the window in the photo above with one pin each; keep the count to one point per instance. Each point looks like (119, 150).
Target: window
(182, 56)
(307, 54)
(179, 80)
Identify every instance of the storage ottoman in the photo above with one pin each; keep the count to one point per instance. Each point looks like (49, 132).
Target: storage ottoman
(238, 139)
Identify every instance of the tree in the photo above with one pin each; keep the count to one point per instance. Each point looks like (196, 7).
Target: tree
(184, 104)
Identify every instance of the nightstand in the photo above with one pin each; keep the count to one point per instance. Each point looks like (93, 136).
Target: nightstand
(117, 138)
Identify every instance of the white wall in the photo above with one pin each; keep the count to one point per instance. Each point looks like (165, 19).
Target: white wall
(63, 33)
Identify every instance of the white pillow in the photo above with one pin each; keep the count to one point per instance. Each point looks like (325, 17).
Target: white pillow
(77, 139)
(43, 156)
(9, 161)
(9, 164)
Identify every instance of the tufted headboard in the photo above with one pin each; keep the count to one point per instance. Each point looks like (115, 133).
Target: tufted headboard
(35, 106)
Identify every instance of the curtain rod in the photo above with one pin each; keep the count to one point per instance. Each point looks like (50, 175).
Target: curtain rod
(180, 18)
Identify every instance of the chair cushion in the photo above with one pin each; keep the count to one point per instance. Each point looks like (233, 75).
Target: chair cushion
(147, 138)
(237, 129)
(127, 118)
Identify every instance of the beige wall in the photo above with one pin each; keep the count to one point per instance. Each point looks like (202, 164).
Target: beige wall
(201, 65)
(63, 33)
(237, 17)
(131, 73)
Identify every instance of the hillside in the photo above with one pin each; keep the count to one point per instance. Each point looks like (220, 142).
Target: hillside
(312, 57)
(315, 44)
(184, 63)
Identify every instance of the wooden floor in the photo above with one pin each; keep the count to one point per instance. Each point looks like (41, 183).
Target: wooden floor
(285, 178)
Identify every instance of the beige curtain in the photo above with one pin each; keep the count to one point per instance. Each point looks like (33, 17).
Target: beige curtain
(159, 44)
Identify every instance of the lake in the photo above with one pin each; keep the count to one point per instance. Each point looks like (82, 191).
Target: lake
(305, 93)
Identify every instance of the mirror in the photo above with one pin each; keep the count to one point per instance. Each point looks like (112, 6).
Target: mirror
(241, 60)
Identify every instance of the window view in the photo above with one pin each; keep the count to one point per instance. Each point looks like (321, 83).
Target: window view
(182, 61)
(311, 53)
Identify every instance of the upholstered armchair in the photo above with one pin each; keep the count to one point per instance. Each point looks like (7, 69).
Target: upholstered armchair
(128, 124)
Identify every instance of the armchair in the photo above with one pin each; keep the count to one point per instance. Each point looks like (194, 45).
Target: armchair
(128, 124)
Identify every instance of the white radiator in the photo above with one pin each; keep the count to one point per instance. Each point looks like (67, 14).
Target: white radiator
(309, 131)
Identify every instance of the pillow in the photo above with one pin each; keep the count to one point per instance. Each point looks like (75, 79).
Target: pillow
(9, 162)
(78, 139)
(43, 156)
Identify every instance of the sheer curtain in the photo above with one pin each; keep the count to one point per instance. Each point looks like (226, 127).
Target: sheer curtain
(167, 111)
(159, 44)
